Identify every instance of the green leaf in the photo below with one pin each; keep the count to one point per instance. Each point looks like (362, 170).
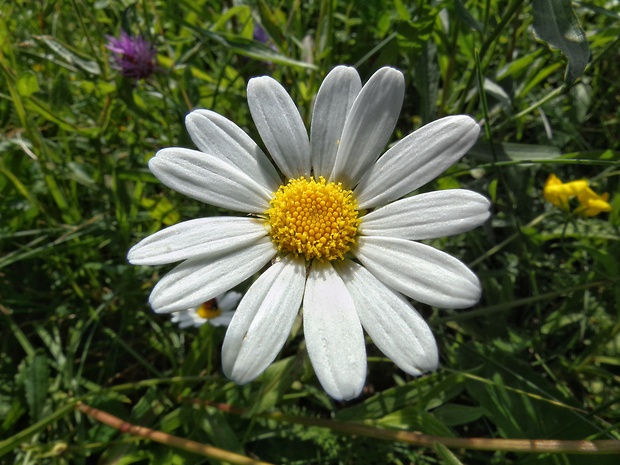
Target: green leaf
(253, 49)
(493, 190)
(520, 402)
(426, 78)
(414, 36)
(170, 457)
(559, 319)
(610, 155)
(518, 67)
(27, 84)
(492, 90)
(430, 391)
(81, 174)
(17, 101)
(4, 35)
(270, 22)
(148, 407)
(11, 410)
(70, 56)
(276, 382)
(514, 152)
(9, 444)
(464, 15)
(162, 210)
(401, 10)
(555, 22)
(124, 454)
(240, 13)
(215, 424)
(46, 112)
(455, 414)
(36, 376)
(447, 455)
(414, 419)
(21, 188)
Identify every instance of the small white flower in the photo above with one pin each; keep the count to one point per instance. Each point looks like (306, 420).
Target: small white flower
(343, 243)
(217, 312)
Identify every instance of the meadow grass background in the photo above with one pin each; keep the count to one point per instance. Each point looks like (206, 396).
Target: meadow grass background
(537, 358)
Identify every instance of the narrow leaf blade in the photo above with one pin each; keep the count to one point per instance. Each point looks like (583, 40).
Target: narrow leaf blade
(555, 22)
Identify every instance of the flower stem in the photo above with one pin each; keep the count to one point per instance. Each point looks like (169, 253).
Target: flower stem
(535, 446)
(165, 438)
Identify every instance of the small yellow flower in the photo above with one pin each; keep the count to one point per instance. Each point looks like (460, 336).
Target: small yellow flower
(591, 203)
(558, 193)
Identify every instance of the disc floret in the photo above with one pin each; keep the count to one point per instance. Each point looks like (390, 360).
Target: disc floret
(208, 310)
(313, 218)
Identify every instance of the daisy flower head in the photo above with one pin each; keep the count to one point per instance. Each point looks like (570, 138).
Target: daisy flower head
(134, 56)
(332, 220)
(217, 312)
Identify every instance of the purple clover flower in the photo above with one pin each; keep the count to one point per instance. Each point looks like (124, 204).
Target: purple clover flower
(260, 35)
(134, 56)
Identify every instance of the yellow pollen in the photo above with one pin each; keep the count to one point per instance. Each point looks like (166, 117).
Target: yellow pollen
(315, 219)
(208, 310)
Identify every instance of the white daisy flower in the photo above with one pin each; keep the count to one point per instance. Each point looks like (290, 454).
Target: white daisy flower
(217, 312)
(341, 243)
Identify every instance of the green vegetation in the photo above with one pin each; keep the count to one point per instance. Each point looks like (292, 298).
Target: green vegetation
(538, 357)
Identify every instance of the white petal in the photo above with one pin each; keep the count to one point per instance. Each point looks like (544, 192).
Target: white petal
(205, 178)
(334, 336)
(263, 320)
(331, 107)
(186, 324)
(197, 280)
(181, 318)
(194, 238)
(223, 320)
(280, 126)
(417, 159)
(369, 125)
(187, 318)
(428, 216)
(220, 137)
(419, 271)
(228, 301)
(396, 328)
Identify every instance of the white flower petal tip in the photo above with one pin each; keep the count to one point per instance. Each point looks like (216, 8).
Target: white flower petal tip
(417, 159)
(419, 271)
(197, 238)
(210, 180)
(216, 135)
(395, 327)
(428, 216)
(187, 318)
(331, 108)
(369, 125)
(223, 320)
(229, 301)
(280, 126)
(334, 336)
(263, 320)
(197, 280)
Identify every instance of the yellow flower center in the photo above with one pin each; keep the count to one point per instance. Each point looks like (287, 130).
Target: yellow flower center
(208, 310)
(315, 219)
